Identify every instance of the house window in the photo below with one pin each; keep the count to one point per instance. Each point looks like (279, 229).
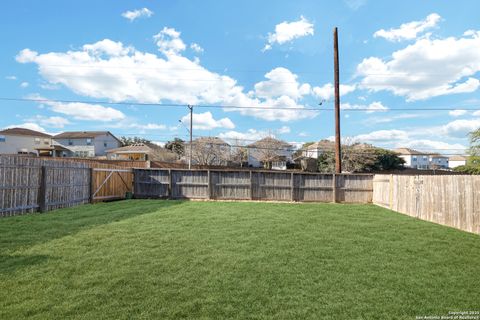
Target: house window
(2, 138)
(425, 158)
(105, 144)
(89, 142)
(37, 140)
(414, 158)
(46, 142)
(70, 142)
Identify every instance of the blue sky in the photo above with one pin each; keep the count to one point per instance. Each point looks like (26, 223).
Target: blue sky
(394, 55)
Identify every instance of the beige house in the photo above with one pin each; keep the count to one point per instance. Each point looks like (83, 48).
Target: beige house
(141, 152)
(456, 161)
(270, 153)
(25, 141)
(316, 149)
(88, 143)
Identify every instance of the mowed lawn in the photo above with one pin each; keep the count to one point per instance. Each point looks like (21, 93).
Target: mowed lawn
(146, 259)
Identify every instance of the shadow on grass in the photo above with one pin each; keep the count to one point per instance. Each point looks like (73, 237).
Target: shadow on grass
(24, 231)
(10, 264)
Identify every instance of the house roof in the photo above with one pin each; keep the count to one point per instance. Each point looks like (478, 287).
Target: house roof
(82, 134)
(212, 140)
(134, 148)
(269, 141)
(322, 144)
(408, 151)
(24, 132)
(458, 158)
(437, 155)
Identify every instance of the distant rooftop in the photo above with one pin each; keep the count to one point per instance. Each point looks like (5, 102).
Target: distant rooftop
(24, 132)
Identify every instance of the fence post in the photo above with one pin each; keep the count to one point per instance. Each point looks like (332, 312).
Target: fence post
(90, 185)
(251, 185)
(42, 192)
(292, 187)
(170, 184)
(209, 184)
(334, 188)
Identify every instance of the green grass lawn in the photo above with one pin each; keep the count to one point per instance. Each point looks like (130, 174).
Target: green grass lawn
(143, 259)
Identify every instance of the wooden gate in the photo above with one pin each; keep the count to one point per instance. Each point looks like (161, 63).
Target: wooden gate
(111, 184)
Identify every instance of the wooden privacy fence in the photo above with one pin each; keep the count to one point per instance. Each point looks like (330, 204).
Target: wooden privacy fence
(252, 185)
(30, 184)
(448, 200)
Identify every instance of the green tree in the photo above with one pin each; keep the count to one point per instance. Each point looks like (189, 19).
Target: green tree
(177, 146)
(128, 141)
(473, 162)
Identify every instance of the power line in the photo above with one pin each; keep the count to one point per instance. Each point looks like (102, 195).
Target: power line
(233, 106)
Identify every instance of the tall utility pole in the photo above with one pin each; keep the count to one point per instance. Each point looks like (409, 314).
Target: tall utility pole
(191, 128)
(338, 148)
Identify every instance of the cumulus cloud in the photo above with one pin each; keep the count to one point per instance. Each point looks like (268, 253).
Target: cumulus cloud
(169, 42)
(244, 137)
(196, 47)
(139, 13)
(410, 30)
(426, 69)
(283, 130)
(51, 122)
(111, 70)
(460, 128)
(326, 92)
(11, 77)
(24, 84)
(288, 31)
(82, 111)
(281, 82)
(457, 113)
(205, 121)
(372, 107)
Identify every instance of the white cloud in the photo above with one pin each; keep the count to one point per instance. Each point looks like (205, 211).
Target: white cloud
(112, 71)
(355, 4)
(108, 47)
(382, 136)
(427, 145)
(460, 128)
(372, 107)
(427, 68)
(11, 78)
(410, 30)
(134, 14)
(205, 121)
(457, 113)
(82, 111)
(24, 84)
(283, 130)
(244, 137)
(196, 47)
(476, 113)
(169, 42)
(27, 125)
(327, 91)
(288, 31)
(51, 122)
(281, 82)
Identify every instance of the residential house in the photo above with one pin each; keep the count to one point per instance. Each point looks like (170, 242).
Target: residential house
(316, 149)
(438, 161)
(88, 143)
(413, 158)
(457, 161)
(141, 152)
(24, 141)
(270, 153)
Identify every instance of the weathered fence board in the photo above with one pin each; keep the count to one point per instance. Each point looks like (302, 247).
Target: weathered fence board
(33, 184)
(252, 185)
(110, 184)
(449, 200)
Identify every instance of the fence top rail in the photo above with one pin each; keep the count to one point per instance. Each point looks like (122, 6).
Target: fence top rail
(111, 170)
(256, 171)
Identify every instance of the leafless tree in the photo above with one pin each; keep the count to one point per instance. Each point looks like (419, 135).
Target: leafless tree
(268, 150)
(210, 151)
